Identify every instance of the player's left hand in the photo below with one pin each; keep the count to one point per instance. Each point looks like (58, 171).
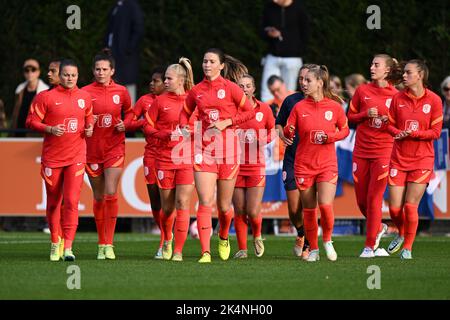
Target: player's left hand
(89, 130)
(120, 126)
(221, 125)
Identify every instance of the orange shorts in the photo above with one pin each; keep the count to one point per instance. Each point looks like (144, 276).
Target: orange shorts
(149, 170)
(306, 182)
(224, 171)
(250, 181)
(400, 178)
(169, 179)
(96, 169)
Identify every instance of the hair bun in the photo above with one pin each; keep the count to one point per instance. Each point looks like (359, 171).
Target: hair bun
(107, 51)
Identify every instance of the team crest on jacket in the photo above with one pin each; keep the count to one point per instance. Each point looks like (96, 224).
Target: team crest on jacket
(94, 166)
(393, 172)
(388, 102)
(116, 99)
(259, 116)
(329, 115)
(355, 167)
(81, 103)
(48, 172)
(221, 94)
(213, 115)
(426, 108)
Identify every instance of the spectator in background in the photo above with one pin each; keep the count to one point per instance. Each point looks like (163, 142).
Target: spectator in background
(278, 89)
(445, 89)
(285, 28)
(25, 93)
(125, 30)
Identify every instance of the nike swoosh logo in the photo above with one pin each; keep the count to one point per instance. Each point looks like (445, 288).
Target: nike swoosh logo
(94, 99)
(423, 171)
(58, 103)
(366, 98)
(199, 96)
(79, 163)
(385, 166)
(401, 105)
(305, 115)
(165, 109)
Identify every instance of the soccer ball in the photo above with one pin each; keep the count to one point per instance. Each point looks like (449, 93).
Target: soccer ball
(193, 230)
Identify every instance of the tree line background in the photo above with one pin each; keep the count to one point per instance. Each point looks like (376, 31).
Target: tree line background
(339, 36)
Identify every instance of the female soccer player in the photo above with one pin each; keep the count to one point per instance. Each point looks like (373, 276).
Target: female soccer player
(369, 108)
(175, 175)
(221, 106)
(140, 109)
(250, 183)
(301, 246)
(319, 121)
(415, 119)
(64, 114)
(106, 148)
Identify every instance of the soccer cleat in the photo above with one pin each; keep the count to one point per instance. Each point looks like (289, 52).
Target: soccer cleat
(298, 247)
(258, 244)
(177, 257)
(241, 254)
(395, 244)
(101, 252)
(313, 256)
(109, 252)
(167, 250)
(224, 249)
(380, 235)
(405, 254)
(367, 253)
(158, 254)
(61, 247)
(54, 252)
(305, 253)
(205, 258)
(68, 255)
(329, 249)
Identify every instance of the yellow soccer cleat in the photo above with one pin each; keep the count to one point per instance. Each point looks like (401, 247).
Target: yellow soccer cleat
(258, 244)
(54, 252)
(224, 249)
(101, 252)
(109, 252)
(68, 255)
(167, 250)
(61, 247)
(206, 258)
(177, 257)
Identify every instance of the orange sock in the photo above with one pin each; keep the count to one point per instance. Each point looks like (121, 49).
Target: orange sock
(225, 223)
(99, 215)
(256, 225)
(110, 213)
(181, 230)
(411, 223)
(241, 227)
(397, 216)
(167, 222)
(311, 227)
(326, 221)
(204, 225)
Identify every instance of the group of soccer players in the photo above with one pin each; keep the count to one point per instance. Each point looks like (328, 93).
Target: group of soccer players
(211, 137)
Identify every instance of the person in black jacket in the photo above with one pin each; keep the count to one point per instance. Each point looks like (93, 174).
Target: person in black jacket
(285, 28)
(124, 33)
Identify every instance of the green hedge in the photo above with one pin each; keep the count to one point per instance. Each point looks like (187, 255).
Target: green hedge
(173, 28)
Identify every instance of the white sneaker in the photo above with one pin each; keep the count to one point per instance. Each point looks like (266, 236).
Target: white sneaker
(380, 235)
(405, 254)
(367, 253)
(313, 256)
(329, 249)
(395, 244)
(159, 255)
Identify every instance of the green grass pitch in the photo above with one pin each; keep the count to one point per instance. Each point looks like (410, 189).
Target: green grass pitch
(26, 272)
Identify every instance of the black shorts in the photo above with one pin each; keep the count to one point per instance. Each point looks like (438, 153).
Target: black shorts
(288, 175)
